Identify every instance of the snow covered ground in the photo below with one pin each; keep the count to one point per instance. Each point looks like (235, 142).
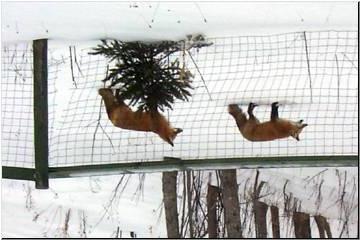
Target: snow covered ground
(27, 212)
(32, 213)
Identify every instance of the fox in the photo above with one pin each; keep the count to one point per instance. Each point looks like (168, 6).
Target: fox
(276, 128)
(122, 116)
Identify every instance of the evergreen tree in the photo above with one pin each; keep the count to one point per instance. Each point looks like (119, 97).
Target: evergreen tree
(144, 74)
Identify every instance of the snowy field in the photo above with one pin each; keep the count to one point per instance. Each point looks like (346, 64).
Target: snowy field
(80, 207)
(42, 213)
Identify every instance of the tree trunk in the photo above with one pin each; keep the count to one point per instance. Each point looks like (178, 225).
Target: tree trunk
(170, 203)
(302, 225)
(260, 210)
(323, 226)
(189, 202)
(229, 189)
(211, 199)
(275, 224)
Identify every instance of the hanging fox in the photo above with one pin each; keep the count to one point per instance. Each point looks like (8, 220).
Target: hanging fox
(122, 116)
(254, 130)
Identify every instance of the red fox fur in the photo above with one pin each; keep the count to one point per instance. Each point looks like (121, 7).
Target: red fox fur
(123, 117)
(276, 128)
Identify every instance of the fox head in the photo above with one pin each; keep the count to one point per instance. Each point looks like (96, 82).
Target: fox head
(297, 129)
(174, 133)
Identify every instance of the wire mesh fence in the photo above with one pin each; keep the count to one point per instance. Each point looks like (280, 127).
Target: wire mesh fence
(17, 120)
(312, 74)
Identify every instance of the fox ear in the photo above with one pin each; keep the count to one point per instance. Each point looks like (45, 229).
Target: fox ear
(303, 125)
(301, 121)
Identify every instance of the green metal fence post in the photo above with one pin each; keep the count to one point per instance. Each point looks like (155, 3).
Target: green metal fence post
(41, 114)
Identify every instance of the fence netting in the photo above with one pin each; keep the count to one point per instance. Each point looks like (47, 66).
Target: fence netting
(312, 74)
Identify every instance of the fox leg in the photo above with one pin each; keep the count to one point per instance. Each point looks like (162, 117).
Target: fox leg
(251, 109)
(274, 111)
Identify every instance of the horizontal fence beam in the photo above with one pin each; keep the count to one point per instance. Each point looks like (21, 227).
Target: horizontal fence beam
(172, 164)
(18, 173)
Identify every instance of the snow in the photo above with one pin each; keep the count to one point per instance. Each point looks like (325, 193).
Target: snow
(172, 20)
(141, 212)
(80, 195)
(66, 23)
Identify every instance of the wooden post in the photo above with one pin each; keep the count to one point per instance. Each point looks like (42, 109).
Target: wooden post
(170, 203)
(189, 191)
(260, 210)
(211, 200)
(323, 226)
(275, 224)
(229, 189)
(320, 225)
(302, 225)
(41, 114)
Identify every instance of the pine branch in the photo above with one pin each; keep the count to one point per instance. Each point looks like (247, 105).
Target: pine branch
(144, 75)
